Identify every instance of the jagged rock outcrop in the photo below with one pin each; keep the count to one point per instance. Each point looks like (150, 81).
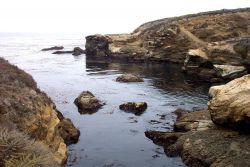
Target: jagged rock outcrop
(27, 110)
(230, 105)
(218, 37)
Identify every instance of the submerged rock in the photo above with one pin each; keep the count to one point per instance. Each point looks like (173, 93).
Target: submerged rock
(230, 105)
(63, 52)
(87, 103)
(75, 52)
(136, 108)
(53, 48)
(129, 78)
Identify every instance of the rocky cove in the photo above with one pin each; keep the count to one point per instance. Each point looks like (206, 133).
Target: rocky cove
(211, 47)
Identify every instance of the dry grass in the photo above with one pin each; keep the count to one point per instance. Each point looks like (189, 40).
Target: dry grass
(18, 150)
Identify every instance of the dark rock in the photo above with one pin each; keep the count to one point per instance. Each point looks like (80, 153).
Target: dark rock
(129, 78)
(87, 103)
(62, 52)
(53, 48)
(136, 108)
(68, 132)
(97, 46)
(78, 51)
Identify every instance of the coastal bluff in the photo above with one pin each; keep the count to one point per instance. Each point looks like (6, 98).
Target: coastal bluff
(33, 132)
(199, 42)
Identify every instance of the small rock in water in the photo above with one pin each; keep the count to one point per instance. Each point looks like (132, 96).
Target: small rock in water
(87, 103)
(153, 122)
(78, 51)
(53, 48)
(62, 52)
(136, 108)
(129, 78)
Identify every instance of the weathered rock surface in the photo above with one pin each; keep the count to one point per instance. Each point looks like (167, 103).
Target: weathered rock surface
(27, 110)
(230, 105)
(87, 103)
(201, 145)
(229, 71)
(136, 108)
(186, 120)
(214, 38)
(129, 78)
(53, 48)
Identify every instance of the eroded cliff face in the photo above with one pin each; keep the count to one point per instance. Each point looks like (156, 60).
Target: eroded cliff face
(27, 110)
(219, 37)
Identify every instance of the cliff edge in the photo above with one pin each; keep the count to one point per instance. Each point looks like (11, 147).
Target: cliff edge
(33, 132)
(197, 41)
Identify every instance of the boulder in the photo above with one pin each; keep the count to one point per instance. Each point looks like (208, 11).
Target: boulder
(129, 78)
(87, 103)
(136, 108)
(230, 71)
(53, 48)
(67, 131)
(230, 105)
(214, 90)
(78, 51)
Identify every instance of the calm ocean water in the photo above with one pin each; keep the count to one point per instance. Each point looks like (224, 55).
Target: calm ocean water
(109, 137)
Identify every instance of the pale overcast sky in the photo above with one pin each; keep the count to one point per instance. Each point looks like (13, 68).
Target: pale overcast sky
(97, 16)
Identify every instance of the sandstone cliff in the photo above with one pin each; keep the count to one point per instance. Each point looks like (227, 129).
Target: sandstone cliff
(33, 132)
(219, 37)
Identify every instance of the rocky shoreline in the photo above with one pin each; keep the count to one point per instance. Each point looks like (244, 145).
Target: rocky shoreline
(200, 42)
(212, 47)
(217, 136)
(33, 131)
